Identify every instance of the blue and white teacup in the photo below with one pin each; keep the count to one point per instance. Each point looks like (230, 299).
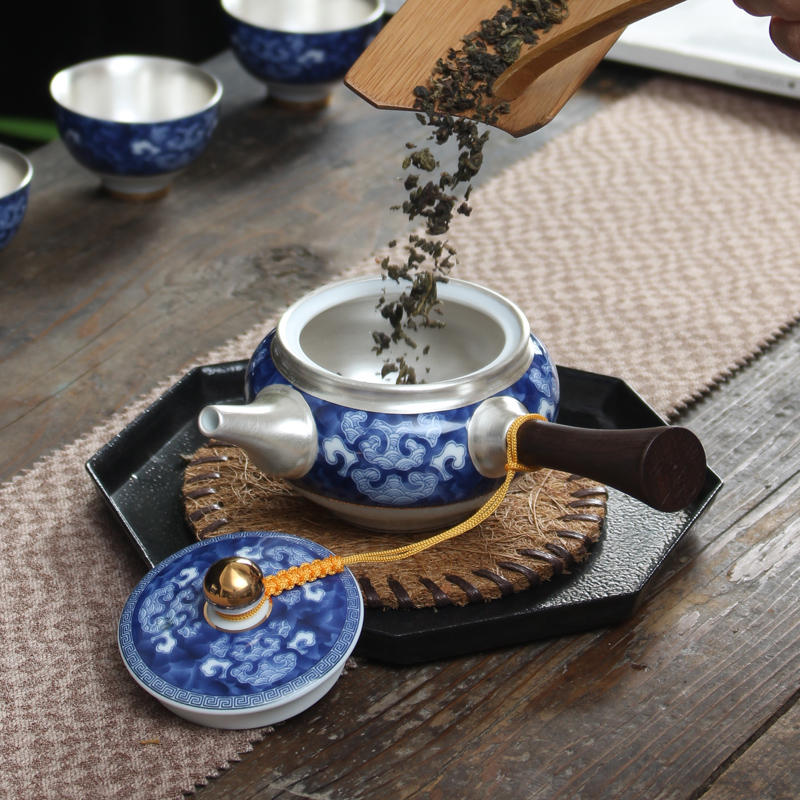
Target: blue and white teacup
(136, 121)
(301, 48)
(16, 173)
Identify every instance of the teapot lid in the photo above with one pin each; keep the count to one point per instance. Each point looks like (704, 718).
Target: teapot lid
(239, 677)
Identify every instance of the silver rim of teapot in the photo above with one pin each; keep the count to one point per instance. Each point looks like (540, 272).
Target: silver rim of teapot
(322, 346)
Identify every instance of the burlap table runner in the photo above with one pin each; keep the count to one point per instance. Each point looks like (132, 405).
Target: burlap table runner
(657, 242)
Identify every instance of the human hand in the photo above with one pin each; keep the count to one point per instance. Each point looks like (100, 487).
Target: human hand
(784, 29)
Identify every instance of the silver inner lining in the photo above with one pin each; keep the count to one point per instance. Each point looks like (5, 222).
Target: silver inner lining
(135, 89)
(304, 16)
(324, 345)
(13, 171)
(339, 341)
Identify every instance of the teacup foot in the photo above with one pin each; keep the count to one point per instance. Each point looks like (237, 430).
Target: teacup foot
(298, 97)
(139, 189)
(137, 197)
(292, 105)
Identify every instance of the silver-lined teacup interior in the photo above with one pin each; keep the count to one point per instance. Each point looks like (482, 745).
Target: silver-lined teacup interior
(135, 89)
(304, 16)
(15, 171)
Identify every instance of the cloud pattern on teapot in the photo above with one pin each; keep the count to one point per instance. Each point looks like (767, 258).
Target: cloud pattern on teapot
(402, 460)
(385, 446)
(543, 378)
(173, 649)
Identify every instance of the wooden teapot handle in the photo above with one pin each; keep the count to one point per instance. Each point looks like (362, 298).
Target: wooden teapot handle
(589, 22)
(664, 467)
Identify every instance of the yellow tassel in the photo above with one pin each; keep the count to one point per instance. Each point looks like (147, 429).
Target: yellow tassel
(297, 576)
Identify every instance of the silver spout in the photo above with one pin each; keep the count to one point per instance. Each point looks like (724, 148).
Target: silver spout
(277, 430)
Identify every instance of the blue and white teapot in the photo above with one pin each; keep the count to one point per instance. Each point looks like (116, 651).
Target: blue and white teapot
(391, 456)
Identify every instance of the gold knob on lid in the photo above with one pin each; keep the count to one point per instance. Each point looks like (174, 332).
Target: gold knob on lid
(233, 582)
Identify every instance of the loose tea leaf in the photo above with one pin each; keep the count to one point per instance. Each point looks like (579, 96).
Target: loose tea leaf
(423, 159)
(461, 82)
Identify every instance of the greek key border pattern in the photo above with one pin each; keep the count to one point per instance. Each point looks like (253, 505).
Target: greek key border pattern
(159, 686)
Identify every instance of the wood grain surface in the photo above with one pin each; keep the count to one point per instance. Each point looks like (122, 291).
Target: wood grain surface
(422, 31)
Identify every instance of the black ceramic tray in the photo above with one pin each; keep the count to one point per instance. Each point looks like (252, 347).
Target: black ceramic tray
(140, 473)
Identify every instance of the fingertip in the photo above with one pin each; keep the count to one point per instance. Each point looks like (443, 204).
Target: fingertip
(785, 36)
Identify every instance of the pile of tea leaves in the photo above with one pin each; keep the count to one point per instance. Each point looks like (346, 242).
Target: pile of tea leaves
(460, 83)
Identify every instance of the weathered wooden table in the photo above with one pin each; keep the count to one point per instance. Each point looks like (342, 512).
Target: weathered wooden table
(694, 696)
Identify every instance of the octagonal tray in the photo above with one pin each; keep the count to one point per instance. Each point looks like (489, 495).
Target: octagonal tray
(140, 474)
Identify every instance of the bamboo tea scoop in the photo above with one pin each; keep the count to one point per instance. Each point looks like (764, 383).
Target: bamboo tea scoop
(537, 85)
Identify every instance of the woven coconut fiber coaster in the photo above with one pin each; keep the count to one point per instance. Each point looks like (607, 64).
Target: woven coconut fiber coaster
(547, 523)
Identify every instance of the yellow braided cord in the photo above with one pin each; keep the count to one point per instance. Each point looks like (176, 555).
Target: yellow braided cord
(288, 579)
(297, 576)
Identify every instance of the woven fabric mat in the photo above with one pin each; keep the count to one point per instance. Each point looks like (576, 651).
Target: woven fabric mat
(547, 522)
(656, 241)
